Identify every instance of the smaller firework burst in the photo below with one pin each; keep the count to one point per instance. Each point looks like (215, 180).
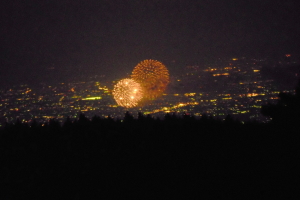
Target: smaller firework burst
(127, 93)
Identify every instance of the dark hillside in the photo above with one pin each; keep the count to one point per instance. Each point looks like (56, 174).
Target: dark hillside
(148, 158)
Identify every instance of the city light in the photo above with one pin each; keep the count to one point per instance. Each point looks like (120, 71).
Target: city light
(91, 98)
(211, 90)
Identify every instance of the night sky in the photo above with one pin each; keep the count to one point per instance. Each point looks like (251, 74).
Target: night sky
(62, 38)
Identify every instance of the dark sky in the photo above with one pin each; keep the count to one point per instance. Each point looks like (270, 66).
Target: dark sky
(112, 36)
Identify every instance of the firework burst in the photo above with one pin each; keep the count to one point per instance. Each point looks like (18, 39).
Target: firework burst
(153, 77)
(127, 93)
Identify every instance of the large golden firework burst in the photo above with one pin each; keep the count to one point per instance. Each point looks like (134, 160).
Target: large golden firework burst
(153, 77)
(127, 93)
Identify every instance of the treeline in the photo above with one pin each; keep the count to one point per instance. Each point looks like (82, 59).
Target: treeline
(148, 158)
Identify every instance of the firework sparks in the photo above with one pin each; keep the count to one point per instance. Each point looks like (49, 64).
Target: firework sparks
(153, 77)
(127, 93)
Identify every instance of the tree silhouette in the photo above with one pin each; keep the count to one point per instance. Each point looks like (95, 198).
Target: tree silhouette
(287, 109)
(173, 156)
(128, 118)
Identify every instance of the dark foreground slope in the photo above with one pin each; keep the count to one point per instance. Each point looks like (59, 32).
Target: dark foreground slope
(147, 158)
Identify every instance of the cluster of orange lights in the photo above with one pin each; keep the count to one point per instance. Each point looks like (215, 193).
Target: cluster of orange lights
(223, 74)
(210, 69)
